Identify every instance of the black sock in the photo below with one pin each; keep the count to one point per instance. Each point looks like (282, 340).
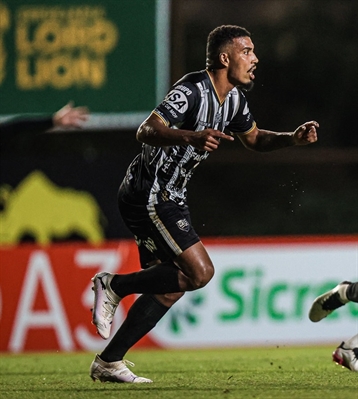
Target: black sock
(352, 292)
(143, 315)
(157, 279)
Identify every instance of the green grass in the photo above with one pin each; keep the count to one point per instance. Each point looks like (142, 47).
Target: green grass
(279, 372)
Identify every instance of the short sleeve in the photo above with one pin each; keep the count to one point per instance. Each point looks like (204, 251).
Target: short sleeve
(179, 103)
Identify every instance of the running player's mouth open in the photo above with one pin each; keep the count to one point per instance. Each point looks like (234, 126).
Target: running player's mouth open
(250, 71)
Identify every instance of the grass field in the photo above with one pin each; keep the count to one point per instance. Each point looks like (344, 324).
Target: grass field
(278, 372)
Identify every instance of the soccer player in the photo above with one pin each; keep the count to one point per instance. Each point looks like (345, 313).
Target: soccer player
(66, 117)
(347, 352)
(201, 109)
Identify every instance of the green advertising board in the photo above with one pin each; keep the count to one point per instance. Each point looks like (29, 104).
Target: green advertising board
(111, 56)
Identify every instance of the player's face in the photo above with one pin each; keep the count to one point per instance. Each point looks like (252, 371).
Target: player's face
(242, 62)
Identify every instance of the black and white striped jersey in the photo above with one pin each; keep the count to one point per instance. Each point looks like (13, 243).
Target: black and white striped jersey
(162, 173)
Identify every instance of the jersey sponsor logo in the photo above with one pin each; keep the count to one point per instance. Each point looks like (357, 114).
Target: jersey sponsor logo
(166, 165)
(184, 89)
(170, 109)
(177, 99)
(200, 157)
(183, 225)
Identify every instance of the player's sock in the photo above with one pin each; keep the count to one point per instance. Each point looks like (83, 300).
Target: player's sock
(158, 279)
(143, 315)
(352, 292)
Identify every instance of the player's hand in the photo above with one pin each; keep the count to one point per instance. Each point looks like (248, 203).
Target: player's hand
(208, 139)
(70, 116)
(306, 133)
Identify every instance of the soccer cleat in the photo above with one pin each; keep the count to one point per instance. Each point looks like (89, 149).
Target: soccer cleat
(326, 303)
(105, 303)
(346, 357)
(114, 372)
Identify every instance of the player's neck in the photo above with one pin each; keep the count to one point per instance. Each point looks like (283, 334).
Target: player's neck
(221, 84)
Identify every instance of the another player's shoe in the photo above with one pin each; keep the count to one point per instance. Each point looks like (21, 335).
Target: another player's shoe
(105, 303)
(346, 357)
(326, 303)
(114, 371)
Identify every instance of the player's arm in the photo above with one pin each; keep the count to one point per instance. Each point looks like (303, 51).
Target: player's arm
(265, 140)
(66, 117)
(155, 131)
(29, 125)
(70, 116)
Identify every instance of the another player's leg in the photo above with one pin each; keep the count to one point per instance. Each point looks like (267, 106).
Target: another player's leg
(347, 354)
(352, 292)
(326, 303)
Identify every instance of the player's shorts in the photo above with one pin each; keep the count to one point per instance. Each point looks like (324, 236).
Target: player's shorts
(162, 232)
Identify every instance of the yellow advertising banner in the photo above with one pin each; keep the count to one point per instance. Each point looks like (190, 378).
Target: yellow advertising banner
(105, 55)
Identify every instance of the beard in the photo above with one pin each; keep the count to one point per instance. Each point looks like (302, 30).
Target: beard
(248, 86)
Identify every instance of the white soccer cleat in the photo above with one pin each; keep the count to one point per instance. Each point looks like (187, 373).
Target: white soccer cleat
(326, 303)
(114, 372)
(105, 303)
(346, 357)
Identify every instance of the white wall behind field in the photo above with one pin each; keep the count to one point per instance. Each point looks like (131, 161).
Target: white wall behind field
(261, 295)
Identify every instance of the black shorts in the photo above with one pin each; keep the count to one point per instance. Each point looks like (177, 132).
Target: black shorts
(162, 232)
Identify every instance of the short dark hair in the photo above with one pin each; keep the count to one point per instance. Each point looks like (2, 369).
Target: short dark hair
(218, 38)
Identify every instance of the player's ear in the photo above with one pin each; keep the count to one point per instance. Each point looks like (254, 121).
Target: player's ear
(224, 59)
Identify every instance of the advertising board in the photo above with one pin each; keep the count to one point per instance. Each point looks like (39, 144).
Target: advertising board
(260, 295)
(111, 56)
